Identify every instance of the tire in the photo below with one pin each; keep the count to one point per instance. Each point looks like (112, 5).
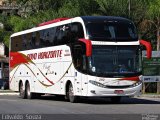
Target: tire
(29, 94)
(22, 92)
(71, 96)
(116, 99)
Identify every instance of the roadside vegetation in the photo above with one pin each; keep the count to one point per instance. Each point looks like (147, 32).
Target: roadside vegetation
(144, 13)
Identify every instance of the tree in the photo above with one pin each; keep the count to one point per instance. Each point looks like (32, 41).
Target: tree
(113, 7)
(153, 16)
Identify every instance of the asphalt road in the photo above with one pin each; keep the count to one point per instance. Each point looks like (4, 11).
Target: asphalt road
(12, 104)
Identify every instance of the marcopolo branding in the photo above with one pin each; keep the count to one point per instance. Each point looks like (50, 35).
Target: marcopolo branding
(44, 55)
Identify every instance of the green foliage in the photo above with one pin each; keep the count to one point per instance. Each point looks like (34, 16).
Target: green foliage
(144, 13)
(154, 9)
(4, 37)
(113, 7)
(19, 23)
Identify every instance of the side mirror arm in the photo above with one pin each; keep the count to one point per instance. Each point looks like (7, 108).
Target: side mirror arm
(88, 46)
(148, 47)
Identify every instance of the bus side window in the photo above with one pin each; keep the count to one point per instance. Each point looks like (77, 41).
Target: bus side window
(47, 38)
(59, 35)
(12, 45)
(18, 43)
(51, 37)
(24, 41)
(76, 31)
(66, 34)
(33, 39)
(79, 58)
(62, 35)
(37, 40)
(29, 44)
(42, 38)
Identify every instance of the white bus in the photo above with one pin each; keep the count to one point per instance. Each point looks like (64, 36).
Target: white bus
(93, 56)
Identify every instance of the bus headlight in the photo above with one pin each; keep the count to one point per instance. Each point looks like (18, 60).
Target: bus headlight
(136, 84)
(97, 83)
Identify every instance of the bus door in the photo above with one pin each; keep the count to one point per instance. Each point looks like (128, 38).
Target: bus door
(80, 65)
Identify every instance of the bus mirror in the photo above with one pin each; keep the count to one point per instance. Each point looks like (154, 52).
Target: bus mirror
(88, 45)
(148, 47)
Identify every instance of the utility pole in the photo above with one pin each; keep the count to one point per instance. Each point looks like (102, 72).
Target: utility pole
(129, 8)
(158, 49)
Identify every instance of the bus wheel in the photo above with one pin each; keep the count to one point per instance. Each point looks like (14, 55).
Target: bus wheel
(71, 96)
(22, 92)
(29, 95)
(116, 99)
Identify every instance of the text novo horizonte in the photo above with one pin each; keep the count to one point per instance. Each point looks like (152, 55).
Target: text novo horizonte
(44, 55)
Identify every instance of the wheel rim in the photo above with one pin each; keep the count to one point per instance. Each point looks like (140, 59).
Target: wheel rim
(21, 89)
(71, 94)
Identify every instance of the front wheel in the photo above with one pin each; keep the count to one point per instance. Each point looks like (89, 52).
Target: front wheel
(71, 96)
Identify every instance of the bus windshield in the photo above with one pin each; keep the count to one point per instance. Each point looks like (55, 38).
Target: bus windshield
(111, 31)
(115, 61)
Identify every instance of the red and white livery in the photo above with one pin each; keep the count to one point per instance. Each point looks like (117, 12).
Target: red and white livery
(81, 56)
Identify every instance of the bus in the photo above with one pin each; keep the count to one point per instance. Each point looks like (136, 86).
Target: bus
(90, 56)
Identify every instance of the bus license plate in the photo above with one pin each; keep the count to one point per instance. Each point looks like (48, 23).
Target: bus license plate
(118, 91)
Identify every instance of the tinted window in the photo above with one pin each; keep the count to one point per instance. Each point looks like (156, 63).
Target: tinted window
(79, 58)
(76, 31)
(59, 35)
(26, 41)
(114, 31)
(16, 43)
(62, 35)
(115, 60)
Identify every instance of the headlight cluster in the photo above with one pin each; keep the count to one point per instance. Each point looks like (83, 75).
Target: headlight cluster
(104, 86)
(136, 84)
(97, 83)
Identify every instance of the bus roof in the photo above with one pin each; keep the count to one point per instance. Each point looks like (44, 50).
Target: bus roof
(61, 21)
(88, 19)
(52, 21)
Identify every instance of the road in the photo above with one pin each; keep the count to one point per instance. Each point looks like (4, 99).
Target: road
(12, 104)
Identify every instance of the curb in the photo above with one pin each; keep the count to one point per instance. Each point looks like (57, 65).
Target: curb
(9, 93)
(151, 96)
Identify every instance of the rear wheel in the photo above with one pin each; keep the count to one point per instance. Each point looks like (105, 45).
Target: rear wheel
(22, 91)
(30, 95)
(72, 98)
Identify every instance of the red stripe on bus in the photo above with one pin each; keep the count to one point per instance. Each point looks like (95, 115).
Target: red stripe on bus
(88, 46)
(148, 47)
(131, 78)
(52, 21)
(18, 58)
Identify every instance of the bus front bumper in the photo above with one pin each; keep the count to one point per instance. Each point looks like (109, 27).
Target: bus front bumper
(104, 92)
